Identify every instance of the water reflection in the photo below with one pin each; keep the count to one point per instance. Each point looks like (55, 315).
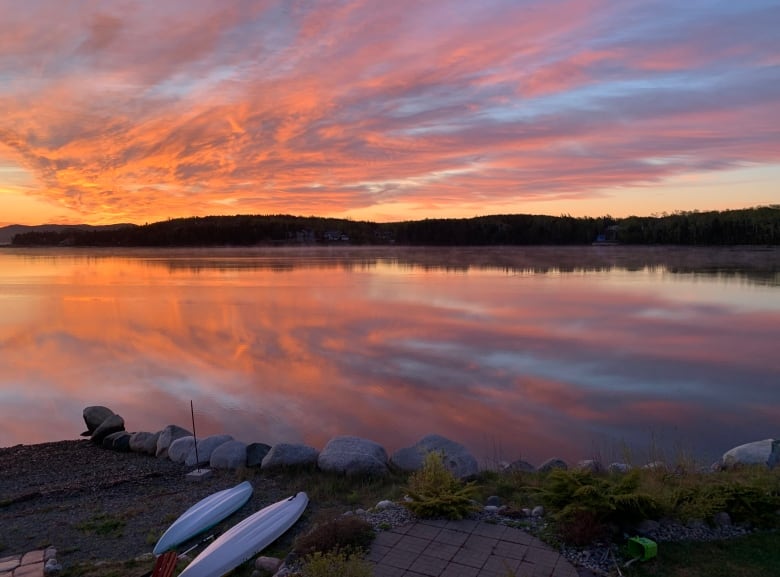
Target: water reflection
(514, 352)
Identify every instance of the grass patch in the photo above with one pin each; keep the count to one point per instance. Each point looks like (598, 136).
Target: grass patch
(335, 564)
(756, 555)
(331, 490)
(104, 525)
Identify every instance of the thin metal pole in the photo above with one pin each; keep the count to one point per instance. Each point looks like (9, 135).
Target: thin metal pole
(194, 436)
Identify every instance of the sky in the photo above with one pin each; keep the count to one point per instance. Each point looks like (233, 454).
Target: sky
(135, 111)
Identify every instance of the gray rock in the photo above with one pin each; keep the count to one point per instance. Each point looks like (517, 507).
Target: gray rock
(94, 417)
(537, 511)
(765, 452)
(289, 455)
(551, 464)
(655, 466)
(230, 455)
(521, 466)
(493, 501)
(385, 504)
(456, 457)
(353, 456)
(491, 509)
(268, 564)
(144, 442)
(620, 468)
(204, 449)
(590, 465)
(255, 452)
(119, 441)
(696, 524)
(722, 519)
(180, 448)
(112, 424)
(168, 435)
(774, 458)
(648, 528)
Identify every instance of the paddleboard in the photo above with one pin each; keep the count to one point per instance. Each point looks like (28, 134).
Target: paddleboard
(247, 539)
(203, 515)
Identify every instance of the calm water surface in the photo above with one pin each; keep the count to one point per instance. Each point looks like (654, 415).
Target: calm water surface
(514, 352)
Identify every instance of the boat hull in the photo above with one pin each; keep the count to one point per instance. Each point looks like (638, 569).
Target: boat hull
(247, 539)
(203, 515)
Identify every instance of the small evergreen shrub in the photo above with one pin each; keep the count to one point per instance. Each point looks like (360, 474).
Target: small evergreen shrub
(755, 502)
(335, 563)
(584, 504)
(342, 533)
(435, 492)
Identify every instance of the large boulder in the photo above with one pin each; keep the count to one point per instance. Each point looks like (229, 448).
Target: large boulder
(353, 456)
(204, 449)
(112, 424)
(229, 455)
(119, 441)
(553, 463)
(591, 466)
(94, 417)
(520, 466)
(255, 453)
(144, 442)
(180, 448)
(457, 458)
(289, 455)
(167, 436)
(766, 452)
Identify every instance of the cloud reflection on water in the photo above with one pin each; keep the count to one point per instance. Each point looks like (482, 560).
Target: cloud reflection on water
(512, 365)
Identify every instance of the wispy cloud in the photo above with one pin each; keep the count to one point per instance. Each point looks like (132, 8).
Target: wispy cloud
(135, 111)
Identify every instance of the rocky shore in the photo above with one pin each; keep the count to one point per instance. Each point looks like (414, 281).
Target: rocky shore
(102, 500)
(94, 504)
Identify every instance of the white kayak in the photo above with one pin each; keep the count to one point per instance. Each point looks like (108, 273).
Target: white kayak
(203, 515)
(247, 539)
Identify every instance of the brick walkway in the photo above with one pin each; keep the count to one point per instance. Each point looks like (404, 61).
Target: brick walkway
(464, 549)
(28, 565)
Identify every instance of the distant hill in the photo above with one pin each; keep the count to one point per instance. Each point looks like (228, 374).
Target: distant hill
(7, 233)
(756, 226)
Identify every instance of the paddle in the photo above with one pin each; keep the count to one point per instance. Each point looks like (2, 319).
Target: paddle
(165, 563)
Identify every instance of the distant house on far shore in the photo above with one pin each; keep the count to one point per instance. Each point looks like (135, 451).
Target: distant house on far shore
(335, 236)
(608, 237)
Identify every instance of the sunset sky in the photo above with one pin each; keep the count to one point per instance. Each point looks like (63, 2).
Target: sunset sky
(386, 110)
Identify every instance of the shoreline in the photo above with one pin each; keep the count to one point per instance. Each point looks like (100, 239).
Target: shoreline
(97, 505)
(94, 504)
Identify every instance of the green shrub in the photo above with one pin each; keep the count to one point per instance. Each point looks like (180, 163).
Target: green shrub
(435, 492)
(342, 533)
(335, 564)
(746, 500)
(584, 504)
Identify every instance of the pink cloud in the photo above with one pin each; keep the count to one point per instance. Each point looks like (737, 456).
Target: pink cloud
(324, 109)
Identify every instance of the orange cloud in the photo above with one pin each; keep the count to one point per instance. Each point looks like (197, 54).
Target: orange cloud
(377, 108)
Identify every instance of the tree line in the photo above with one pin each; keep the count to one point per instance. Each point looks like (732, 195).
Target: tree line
(760, 225)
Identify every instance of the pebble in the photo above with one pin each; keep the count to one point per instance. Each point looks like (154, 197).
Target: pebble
(387, 516)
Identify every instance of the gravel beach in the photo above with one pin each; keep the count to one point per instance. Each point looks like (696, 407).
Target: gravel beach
(94, 504)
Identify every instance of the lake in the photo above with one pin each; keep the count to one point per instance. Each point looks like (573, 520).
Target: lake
(516, 353)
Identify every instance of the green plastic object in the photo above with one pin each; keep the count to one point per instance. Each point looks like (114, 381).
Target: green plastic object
(642, 548)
